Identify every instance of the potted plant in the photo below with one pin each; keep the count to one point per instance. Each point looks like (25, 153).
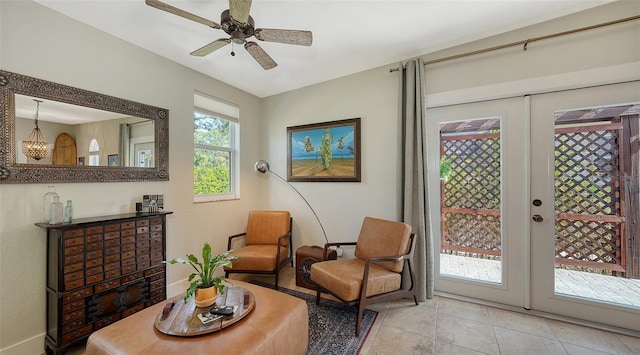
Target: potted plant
(203, 283)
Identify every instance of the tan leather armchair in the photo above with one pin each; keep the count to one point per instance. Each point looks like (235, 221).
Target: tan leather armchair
(383, 250)
(267, 245)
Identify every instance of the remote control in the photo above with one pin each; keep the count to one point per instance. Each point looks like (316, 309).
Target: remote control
(225, 310)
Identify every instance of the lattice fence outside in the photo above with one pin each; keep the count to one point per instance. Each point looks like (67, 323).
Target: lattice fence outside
(587, 198)
(471, 194)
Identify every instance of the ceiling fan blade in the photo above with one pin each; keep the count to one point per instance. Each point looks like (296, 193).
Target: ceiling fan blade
(239, 10)
(211, 47)
(176, 11)
(260, 55)
(302, 38)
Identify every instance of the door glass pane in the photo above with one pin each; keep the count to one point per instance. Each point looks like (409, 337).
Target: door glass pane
(594, 248)
(470, 183)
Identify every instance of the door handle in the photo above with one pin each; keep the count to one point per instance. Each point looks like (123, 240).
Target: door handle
(537, 218)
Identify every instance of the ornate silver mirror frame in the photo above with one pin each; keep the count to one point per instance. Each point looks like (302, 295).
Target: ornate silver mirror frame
(10, 172)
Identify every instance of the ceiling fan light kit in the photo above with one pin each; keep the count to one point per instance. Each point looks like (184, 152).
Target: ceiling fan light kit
(237, 23)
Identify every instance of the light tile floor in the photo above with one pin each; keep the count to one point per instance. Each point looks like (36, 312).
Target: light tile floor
(444, 326)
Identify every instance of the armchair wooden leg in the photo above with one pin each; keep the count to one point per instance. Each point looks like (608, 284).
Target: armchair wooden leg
(415, 299)
(277, 272)
(359, 320)
(317, 297)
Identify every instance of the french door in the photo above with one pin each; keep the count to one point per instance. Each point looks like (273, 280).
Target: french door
(477, 178)
(580, 208)
(528, 202)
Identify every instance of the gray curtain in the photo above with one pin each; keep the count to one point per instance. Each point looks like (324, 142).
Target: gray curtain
(415, 211)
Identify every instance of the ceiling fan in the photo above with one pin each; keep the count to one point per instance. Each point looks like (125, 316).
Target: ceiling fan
(237, 23)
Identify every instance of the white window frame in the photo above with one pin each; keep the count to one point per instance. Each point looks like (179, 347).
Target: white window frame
(217, 108)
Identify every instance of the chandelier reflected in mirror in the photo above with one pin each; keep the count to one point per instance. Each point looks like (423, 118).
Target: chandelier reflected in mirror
(35, 146)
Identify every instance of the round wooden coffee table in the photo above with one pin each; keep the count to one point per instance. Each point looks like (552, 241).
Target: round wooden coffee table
(181, 319)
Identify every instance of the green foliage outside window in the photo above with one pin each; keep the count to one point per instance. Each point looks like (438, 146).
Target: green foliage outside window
(212, 157)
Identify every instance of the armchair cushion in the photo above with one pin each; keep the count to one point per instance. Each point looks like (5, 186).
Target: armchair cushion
(380, 237)
(259, 257)
(264, 227)
(344, 278)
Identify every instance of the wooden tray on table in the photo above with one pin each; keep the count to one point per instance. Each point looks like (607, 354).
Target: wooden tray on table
(182, 319)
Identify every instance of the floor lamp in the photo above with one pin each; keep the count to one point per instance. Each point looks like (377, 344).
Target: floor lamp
(262, 166)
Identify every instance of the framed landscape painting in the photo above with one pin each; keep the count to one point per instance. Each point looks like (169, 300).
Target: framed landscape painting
(328, 151)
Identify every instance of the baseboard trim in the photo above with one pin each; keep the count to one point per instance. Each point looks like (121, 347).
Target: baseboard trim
(33, 345)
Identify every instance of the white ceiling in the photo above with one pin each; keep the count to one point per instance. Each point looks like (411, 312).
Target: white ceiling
(349, 36)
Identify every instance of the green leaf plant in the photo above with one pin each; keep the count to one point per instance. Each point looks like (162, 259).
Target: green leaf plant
(204, 275)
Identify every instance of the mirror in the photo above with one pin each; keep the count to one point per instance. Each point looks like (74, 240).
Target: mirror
(115, 139)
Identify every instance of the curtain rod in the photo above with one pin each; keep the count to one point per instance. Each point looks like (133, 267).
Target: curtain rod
(525, 42)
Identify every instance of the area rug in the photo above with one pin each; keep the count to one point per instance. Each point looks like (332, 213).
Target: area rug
(332, 325)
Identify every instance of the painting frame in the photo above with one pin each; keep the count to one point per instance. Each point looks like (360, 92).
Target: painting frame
(112, 160)
(307, 163)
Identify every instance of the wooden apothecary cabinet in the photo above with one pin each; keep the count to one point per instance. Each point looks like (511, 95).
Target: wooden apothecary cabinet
(100, 270)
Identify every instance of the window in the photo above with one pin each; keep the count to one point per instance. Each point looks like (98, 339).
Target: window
(94, 153)
(216, 149)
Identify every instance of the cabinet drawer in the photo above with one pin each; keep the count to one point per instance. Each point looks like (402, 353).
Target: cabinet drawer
(142, 222)
(112, 266)
(74, 284)
(74, 250)
(94, 238)
(128, 268)
(156, 227)
(73, 259)
(93, 254)
(127, 225)
(155, 220)
(77, 295)
(72, 315)
(111, 258)
(154, 270)
(128, 261)
(72, 306)
(73, 268)
(112, 273)
(127, 247)
(94, 246)
(106, 321)
(93, 230)
(94, 263)
(127, 240)
(77, 334)
(69, 242)
(132, 277)
(112, 235)
(142, 250)
(107, 285)
(73, 276)
(93, 271)
(111, 227)
(73, 233)
(94, 278)
(127, 232)
(112, 250)
(141, 230)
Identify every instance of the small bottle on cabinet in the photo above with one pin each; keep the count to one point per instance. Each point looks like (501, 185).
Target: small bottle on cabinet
(68, 212)
(56, 211)
(48, 200)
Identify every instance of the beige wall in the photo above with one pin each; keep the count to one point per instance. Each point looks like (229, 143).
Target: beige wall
(605, 55)
(119, 69)
(44, 44)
